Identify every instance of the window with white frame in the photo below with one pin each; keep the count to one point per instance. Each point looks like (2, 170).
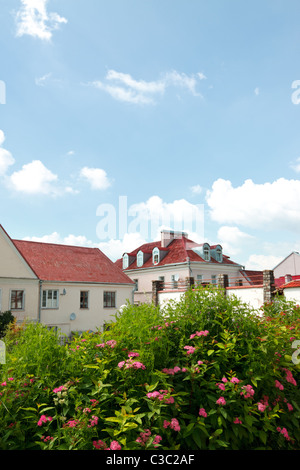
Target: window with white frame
(140, 259)
(17, 299)
(174, 279)
(219, 255)
(199, 279)
(125, 261)
(155, 255)
(214, 279)
(206, 252)
(50, 298)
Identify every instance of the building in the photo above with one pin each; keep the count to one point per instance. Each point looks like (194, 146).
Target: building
(67, 287)
(288, 269)
(176, 258)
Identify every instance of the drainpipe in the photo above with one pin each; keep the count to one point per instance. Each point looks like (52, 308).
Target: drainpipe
(40, 301)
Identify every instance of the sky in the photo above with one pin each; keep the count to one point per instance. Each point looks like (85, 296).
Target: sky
(119, 118)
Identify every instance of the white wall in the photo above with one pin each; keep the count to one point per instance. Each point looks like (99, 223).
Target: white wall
(254, 296)
(292, 293)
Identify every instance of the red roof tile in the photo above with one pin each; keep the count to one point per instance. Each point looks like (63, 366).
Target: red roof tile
(291, 284)
(53, 262)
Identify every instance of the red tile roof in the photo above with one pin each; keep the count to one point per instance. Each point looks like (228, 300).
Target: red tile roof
(295, 283)
(53, 262)
(178, 251)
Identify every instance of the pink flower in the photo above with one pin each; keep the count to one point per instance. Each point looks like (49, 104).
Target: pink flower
(237, 421)
(3, 384)
(101, 345)
(59, 389)
(284, 432)
(157, 440)
(166, 424)
(261, 407)
(44, 419)
(221, 386)
(99, 445)
(93, 422)
(290, 408)
(121, 364)
(190, 349)
(133, 354)
(221, 401)
(234, 380)
(249, 391)
(289, 377)
(174, 424)
(114, 445)
(202, 412)
(279, 385)
(112, 343)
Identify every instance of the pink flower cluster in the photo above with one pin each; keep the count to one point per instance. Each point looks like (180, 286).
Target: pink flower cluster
(263, 404)
(145, 436)
(202, 412)
(161, 396)
(237, 421)
(114, 445)
(199, 333)
(44, 419)
(59, 389)
(174, 370)
(93, 422)
(174, 424)
(47, 438)
(221, 401)
(248, 391)
(289, 377)
(284, 432)
(112, 343)
(279, 385)
(190, 349)
(5, 383)
(130, 363)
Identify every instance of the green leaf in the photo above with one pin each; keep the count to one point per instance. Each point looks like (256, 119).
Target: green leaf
(210, 352)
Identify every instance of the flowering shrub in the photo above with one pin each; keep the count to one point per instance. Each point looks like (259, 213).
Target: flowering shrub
(205, 373)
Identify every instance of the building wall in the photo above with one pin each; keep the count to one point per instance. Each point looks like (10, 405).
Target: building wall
(31, 299)
(254, 296)
(292, 293)
(291, 265)
(12, 265)
(92, 318)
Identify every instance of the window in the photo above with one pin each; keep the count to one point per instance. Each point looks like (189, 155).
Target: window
(136, 287)
(214, 279)
(50, 299)
(199, 279)
(219, 256)
(162, 279)
(125, 261)
(174, 279)
(155, 255)
(17, 299)
(140, 259)
(109, 299)
(84, 299)
(206, 252)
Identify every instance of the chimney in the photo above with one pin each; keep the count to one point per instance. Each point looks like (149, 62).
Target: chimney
(167, 236)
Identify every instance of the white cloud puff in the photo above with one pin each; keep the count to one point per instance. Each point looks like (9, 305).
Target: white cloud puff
(265, 206)
(34, 178)
(96, 177)
(34, 20)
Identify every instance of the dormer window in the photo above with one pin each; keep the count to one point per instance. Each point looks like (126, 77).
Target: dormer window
(219, 255)
(125, 261)
(155, 255)
(140, 259)
(206, 253)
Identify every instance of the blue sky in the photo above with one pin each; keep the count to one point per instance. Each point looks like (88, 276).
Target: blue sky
(125, 109)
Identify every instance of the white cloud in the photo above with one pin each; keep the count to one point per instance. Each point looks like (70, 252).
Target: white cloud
(34, 20)
(123, 87)
(154, 214)
(197, 189)
(34, 178)
(41, 81)
(261, 262)
(256, 91)
(267, 206)
(296, 165)
(96, 177)
(233, 239)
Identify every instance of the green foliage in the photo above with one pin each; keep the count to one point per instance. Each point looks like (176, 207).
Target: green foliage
(5, 319)
(207, 372)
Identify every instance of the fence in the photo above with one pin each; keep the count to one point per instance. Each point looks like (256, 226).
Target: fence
(255, 289)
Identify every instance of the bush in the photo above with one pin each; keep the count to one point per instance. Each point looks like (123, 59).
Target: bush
(5, 319)
(205, 373)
